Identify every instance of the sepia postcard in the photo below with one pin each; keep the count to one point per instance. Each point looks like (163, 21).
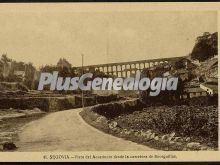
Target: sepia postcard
(88, 82)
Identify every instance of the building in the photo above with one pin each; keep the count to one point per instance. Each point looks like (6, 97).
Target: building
(210, 87)
(194, 92)
(20, 74)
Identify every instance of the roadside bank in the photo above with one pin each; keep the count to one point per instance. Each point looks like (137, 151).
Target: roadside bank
(157, 126)
(12, 122)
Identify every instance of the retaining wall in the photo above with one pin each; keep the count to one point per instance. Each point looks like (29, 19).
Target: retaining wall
(50, 104)
(44, 103)
(111, 110)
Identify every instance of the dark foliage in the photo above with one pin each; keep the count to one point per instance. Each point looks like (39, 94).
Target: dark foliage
(206, 46)
(185, 121)
(112, 110)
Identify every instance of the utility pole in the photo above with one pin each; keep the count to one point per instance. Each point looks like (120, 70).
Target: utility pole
(107, 43)
(82, 74)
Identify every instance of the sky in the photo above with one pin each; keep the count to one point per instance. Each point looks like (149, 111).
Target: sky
(103, 37)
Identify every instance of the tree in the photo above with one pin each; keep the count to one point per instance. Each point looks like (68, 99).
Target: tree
(29, 74)
(5, 59)
(206, 46)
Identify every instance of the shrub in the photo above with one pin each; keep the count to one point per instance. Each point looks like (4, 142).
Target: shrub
(196, 121)
(106, 99)
(111, 110)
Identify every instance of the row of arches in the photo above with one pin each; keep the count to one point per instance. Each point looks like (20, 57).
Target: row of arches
(124, 69)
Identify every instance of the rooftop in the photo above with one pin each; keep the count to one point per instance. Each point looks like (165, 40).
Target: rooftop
(193, 90)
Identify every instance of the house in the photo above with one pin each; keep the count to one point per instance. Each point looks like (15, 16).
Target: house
(192, 84)
(19, 73)
(194, 92)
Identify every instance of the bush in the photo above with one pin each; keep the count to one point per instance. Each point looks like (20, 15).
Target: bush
(192, 121)
(111, 110)
(206, 46)
(106, 99)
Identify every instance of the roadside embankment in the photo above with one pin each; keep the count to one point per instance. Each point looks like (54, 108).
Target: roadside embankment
(180, 127)
(12, 122)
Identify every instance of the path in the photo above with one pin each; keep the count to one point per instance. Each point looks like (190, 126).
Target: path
(67, 131)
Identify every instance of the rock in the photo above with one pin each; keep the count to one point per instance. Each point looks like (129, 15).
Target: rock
(124, 129)
(164, 137)
(114, 129)
(127, 132)
(94, 116)
(101, 119)
(184, 149)
(149, 135)
(146, 134)
(178, 139)
(9, 146)
(113, 124)
(37, 109)
(152, 136)
(166, 149)
(204, 148)
(156, 138)
(178, 143)
(187, 139)
(170, 138)
(194, 145)
(171, 142)
(149, 131)
(143, 133)
(172, 134)
(136, 134)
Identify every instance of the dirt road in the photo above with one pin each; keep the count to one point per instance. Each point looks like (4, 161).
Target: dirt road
(67, 131)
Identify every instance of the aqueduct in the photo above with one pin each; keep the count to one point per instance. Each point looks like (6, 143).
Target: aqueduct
(125, 69)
